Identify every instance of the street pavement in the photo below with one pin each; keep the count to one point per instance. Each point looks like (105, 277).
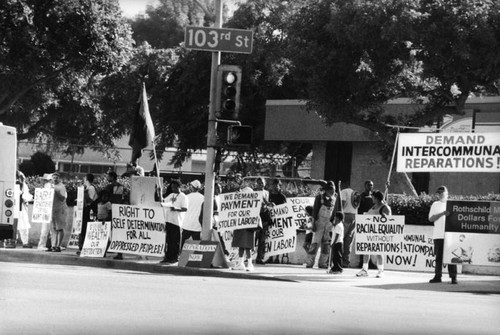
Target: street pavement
(477, 284)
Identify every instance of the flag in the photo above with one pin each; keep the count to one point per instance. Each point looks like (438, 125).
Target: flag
(143, 131)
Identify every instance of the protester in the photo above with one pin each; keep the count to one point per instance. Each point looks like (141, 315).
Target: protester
(265, 218)
(309, 232)
(47, 240)
(379, 208)
(366, 198)
(350, 204)
(337, 244)
(276, 197)
(175, 205)
(104, 207)
(437, 215)
(192, 224)
(23, 223)
(59, 212)
(89, 205)
(325, 205)
(115, 190)
(244, 240)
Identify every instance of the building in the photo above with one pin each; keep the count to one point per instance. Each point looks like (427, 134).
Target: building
(349, 153)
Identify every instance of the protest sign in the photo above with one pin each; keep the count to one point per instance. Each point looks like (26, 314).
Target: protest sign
(138, 230)
(42, 205)
(377, 234)
(96, 239)
(417, 252)
(449, 152)
(298, 209)
(142, 191)
(472, 234)
(77, 219)
(200, 254)
(281, 235)
(239, 210)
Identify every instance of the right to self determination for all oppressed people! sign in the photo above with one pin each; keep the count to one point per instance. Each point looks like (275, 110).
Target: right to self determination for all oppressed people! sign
(449, 152)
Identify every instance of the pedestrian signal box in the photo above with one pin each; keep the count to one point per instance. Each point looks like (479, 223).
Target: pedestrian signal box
(239, 135)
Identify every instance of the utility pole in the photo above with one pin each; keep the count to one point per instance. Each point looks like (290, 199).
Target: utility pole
(208, 206)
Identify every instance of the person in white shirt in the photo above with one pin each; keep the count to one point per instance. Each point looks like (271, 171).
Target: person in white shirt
(191, 226)
(350, 203)
(337, 244)
(438, 214)
(175, 205)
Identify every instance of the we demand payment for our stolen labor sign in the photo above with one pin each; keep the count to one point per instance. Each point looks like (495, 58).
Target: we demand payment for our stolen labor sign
(138, 230)
(239, 210)
(449, 152)
(281, 236)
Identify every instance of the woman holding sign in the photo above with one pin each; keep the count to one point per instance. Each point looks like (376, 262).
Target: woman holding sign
(380, 207)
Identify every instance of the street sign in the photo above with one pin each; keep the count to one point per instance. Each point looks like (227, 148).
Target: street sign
(218, 39)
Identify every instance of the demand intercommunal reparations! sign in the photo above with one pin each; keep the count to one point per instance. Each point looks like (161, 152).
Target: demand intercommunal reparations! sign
(138, 230)
(449, 152)
(239, 210)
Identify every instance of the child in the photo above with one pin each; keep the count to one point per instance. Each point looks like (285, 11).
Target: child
(309, 224)
(337, 244)
(104, 207)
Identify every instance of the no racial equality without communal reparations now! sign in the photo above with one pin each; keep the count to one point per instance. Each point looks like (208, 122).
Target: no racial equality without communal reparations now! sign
(449, 152)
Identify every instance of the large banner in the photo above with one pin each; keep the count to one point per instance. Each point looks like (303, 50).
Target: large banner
(42, 205)
(96, 239)
(281, 236)
(449, 152)
(298, 210)
(76, 228)
(138, 230)
(472, 234)
(377, 234)
(239, 210)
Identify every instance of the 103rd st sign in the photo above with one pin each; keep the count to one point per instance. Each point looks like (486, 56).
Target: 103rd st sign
(218, 39)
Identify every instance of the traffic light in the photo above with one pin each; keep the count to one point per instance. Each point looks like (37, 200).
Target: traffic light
(227, 103)
(239, 135)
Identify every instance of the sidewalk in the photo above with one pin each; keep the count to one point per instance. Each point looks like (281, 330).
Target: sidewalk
(478, 284)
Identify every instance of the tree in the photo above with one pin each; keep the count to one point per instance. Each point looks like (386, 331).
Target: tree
(52, 55)
(353, 56)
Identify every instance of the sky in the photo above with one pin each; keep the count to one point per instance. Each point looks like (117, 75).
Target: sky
(131, 8)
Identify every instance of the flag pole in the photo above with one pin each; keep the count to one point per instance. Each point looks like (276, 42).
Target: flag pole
(160, 184)
(387, 183)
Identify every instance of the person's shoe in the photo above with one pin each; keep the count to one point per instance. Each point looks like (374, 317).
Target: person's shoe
(250, 267)
(435, 280)
(239, 266)
(380, 274)
(309, 266)
(260, 262)
(118, 257)
(362, 273)
(79, 252)
(56, 249)
(50, 249)
(454, 281)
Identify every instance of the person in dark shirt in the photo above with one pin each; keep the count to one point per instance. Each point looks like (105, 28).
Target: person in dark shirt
(366, 198)
(276, 197)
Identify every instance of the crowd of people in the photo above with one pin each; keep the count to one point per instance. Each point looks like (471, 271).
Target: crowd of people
(329, 228)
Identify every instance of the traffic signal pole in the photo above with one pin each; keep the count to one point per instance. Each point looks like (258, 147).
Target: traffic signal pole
(208, 205)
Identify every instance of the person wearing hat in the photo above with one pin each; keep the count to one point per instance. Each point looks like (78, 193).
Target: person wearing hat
(175, 206)
(325, 205)
(191, 226)
(437, 215)
(59, 212)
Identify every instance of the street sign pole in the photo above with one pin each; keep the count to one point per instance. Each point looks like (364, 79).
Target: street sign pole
(208, 205)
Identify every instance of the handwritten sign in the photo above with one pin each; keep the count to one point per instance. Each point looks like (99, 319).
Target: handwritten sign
(138, 230)
(96, 239)
(281, 236)
(376, 234)
(42, 205)
(76, 228)
(239, 210)
(298, 210)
